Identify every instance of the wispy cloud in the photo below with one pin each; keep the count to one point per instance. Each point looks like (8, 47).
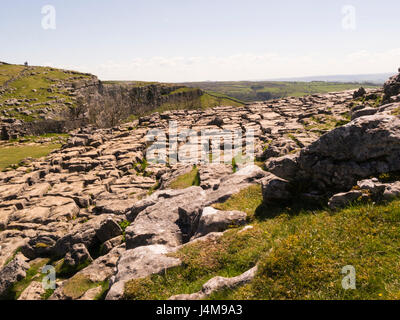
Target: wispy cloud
(243, 66)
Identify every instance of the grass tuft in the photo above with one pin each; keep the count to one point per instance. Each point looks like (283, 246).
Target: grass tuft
(187, 180)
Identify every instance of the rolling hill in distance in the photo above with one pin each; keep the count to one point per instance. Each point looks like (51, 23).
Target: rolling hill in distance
(248, 91)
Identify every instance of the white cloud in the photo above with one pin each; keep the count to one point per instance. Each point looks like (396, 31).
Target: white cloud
(243, 66)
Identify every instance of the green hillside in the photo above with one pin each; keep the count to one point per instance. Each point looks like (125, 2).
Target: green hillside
(266, 90)
(27, 93)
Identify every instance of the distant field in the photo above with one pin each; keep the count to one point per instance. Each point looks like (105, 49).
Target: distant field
(206, 101)
(13, 155)
(266, 90)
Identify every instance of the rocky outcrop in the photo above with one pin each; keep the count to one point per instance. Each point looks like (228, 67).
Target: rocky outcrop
(139, 263)
(391, 89)
(367, 146)
(167, 217)
(11, 273)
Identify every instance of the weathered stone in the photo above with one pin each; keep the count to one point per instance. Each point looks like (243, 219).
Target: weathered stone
(233, 184)
(359, 93)
(86, 234)
(363, 112)
(211, 174)
(278, 148)
(108, 229)
(342, 199)
(34, 291)
(167, 217)
(139, 263)
(99, 270)
(78, 255)
(112, 243)
(284, 167)
(5, 214)
(213, 220)
(275, 189)
(11, 273)
(365, 147)
(392, 87)
(41, 245)
(11, 191)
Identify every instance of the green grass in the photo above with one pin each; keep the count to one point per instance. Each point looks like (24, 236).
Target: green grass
(35, 83)
(266, 90)
(186, 180)
(13, 155)
(65, 271)
(300, 253)
(7, 72)
(396, 112)
(325, 123)
(48, 136)
(76, 286)
(246, 201)
(33, 274)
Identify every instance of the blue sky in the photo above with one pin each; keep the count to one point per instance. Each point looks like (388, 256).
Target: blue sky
(187, 40)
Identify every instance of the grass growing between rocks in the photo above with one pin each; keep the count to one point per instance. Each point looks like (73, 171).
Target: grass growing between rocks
(32, 274)
(186, 180)
(325, 123)
(300, 254)
(79, 284)
(65, 271)
(13, 155)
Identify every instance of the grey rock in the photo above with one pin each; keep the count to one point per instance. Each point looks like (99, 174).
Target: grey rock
(167, 217)
(284, 167)
(41, 245)
(234, 183)
(78, 255)
(359, 93)
(11, 273)
(213, 220)
(363, 112)
(342, 199)
(108, 229)
(275, 189)
(33, 292)
(86, 234)
(367, 146)
(140, 263)
(211, 174)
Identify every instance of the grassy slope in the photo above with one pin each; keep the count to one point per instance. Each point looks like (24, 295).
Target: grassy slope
(260, 90)
(300, 254)
(34, 83)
